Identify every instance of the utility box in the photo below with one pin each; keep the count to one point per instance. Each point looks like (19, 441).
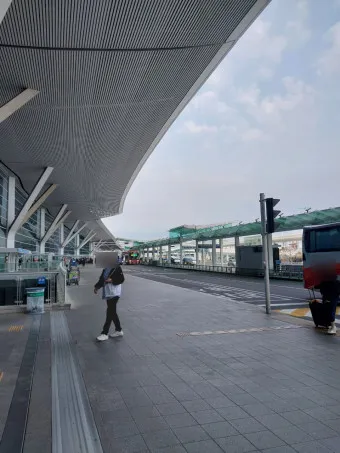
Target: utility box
(250, 257)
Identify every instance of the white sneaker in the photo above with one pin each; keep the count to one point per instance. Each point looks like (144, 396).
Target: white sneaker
(102, 337)
(332, 329)
(116, 334)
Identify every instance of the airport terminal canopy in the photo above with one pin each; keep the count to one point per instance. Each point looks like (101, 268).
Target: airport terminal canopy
(106, 80)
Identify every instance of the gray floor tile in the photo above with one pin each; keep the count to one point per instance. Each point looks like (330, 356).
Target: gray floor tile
(220, 429)
(311, 447)
(243, 399)
(204, 446)
(178, 420)
(172, 449)
(235, 444)
(247, 425)
(333, 444)
(191, 434)
(333, 424)
(121, 428)
(298, 417)
(273, 421)
(196, 405)
(292, 435)
(257, 409)
(150, 424)
(264, 439)
(219, 402)
(283, 449)
(131, 444)
(321, 413)
(144, 412)
(232, 413)
(170, 408)
(160, 439)
(318, 430)
(208, 416)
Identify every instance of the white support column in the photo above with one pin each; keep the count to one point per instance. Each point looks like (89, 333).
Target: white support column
(17, 102)
(42, 229)
(72, 234)
(270, 251)
(160, 253)
(213, 251)
(196, 252)
(91, 248)
(181, 251)
(169, 253)
(76, 248)
(62, 234)
(88, 238)
(4, 5)
(153, 253)
(10, 241)
(26, 210)
(59, 218)
(221, 251)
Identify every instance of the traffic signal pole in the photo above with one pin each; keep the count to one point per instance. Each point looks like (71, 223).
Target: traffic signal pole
(265, 252)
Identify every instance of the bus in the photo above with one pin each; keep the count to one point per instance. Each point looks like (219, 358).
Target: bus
(131, 257)
(320, 247)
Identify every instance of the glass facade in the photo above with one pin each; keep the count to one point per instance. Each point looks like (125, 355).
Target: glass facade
(29, 234)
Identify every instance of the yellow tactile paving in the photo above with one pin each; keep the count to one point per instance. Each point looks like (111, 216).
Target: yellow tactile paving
(300, 312)
(15, 328)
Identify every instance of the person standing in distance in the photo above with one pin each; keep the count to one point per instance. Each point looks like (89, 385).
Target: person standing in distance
(110, 281)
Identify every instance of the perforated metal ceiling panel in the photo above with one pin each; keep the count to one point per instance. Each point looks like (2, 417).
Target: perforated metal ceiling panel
(112, 76)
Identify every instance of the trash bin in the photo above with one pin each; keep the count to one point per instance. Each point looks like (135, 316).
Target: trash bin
(35, 300)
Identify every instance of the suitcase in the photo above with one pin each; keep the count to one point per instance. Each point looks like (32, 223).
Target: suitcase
(321, 313)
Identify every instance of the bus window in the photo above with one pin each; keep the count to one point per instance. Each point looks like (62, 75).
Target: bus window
(323, 240)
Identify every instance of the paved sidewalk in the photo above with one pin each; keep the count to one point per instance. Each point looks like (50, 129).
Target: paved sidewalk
(195, 373)
(271, 390)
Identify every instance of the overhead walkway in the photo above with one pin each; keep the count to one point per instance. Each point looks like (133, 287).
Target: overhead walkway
(192, 373)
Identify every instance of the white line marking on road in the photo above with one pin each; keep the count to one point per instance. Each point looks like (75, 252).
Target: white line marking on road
(283, 305)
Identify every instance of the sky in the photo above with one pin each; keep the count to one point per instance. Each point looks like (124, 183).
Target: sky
(267, 120)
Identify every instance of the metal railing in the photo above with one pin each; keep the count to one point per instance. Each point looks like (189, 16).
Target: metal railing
(29, 267)
(281, 272)
(14, 286)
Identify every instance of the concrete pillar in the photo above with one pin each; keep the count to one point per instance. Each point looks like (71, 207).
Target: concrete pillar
(213, 251)
(161, 253)
(169, 253)
(91, 248)
(221, 251)
(76, 248)
(10, 242)
(270, 251)
(147, 253)
(42, 229)
(196, 251)
(237, 242)
(61, 249)
(181, 251)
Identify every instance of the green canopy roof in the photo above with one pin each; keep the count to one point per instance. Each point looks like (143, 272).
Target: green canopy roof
(289, 223)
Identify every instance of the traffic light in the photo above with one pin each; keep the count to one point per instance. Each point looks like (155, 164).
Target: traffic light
(271, 213)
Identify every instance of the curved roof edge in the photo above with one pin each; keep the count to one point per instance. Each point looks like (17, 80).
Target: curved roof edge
(224, 50)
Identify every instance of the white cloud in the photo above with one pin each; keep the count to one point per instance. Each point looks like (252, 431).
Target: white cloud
(254, 134)
(269, 109)
(329, 62)
(193, 128)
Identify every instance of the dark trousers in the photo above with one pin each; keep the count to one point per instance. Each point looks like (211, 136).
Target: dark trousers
(111, 316)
